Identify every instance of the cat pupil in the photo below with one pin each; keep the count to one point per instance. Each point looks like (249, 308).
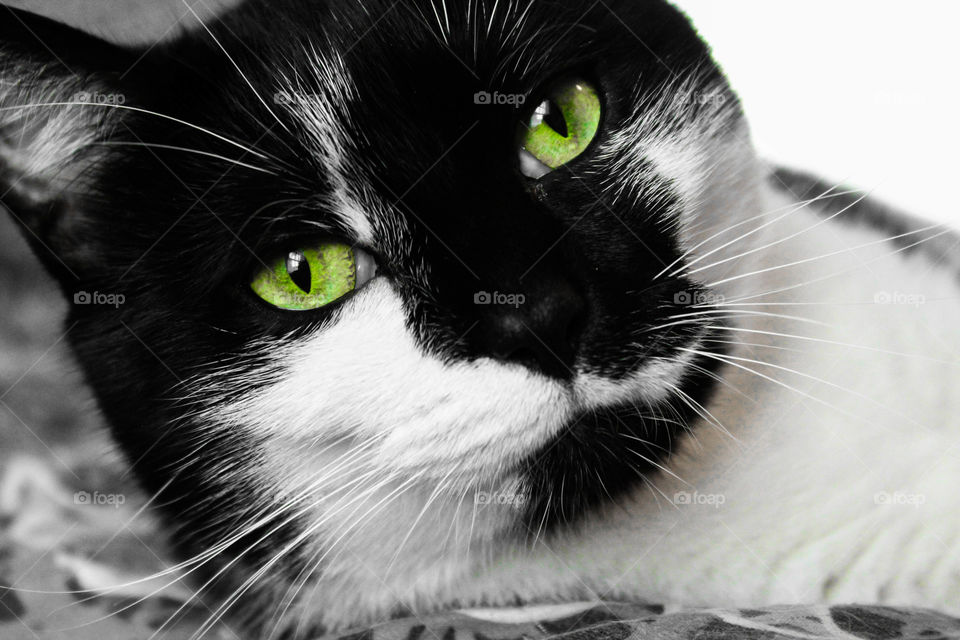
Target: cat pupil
(299, 270)
(549, 113)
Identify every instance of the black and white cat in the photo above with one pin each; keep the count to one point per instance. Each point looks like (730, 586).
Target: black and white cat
(413, 304)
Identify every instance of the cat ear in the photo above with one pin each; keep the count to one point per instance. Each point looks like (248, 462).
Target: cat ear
(62, 94)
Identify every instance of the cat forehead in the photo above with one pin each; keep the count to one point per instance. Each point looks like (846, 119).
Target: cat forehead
(399, 83)
(408, 52)
(379, 107)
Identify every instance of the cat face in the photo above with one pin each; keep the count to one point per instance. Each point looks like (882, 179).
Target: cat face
(378, 263)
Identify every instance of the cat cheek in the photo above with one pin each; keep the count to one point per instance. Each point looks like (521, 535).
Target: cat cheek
(364, 376)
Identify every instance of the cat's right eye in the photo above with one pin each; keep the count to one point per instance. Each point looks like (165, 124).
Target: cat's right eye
(313, 277)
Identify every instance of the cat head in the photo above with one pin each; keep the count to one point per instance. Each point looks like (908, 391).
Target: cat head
(343, 273)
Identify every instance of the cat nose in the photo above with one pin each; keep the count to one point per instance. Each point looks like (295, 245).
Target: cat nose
(540, 329)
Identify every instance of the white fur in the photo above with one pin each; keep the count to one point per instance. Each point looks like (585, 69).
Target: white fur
(41, 142)
(320, 107)
(650, 384)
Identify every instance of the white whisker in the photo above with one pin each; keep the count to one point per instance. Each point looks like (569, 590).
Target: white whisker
(793, 207)
(733, 360)
(186, 150)
(235, 66)
(145, 111)
(828, 255)
(772, 243)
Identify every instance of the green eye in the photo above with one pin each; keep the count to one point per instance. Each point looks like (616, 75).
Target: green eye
(560, 128)
(313, 277)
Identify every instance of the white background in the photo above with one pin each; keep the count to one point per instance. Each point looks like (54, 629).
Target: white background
(861, 91)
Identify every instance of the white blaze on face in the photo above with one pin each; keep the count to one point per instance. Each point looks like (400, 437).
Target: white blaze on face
(687, 143)
(324, 116)
(364, 376)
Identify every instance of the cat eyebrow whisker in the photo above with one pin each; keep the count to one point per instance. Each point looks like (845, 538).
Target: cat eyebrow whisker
(443, 32)
(236, 66)
(493, 14)
(294, 202)
(208, 154)
(520, 23)
(249, 150)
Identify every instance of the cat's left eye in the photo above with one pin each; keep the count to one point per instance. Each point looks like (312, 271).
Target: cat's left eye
(311, 277)
(560, 128)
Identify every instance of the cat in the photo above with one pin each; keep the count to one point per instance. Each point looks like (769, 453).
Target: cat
(411, 305)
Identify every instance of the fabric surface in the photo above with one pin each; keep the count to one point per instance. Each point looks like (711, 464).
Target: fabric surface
(617, 621)
(76, 556)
